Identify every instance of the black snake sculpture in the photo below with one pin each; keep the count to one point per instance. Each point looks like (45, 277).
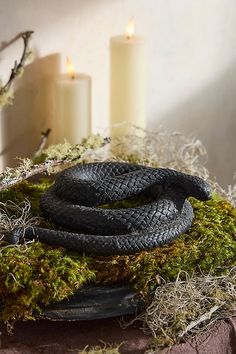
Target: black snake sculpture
(73, 203)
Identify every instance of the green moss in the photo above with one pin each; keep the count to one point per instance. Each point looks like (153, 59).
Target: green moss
(26, 190)
(39, 274)
(209, 246)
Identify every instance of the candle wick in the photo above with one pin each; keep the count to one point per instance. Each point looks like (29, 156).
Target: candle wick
(72, 76)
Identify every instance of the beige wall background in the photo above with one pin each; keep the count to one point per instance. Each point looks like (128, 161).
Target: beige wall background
(191, 67)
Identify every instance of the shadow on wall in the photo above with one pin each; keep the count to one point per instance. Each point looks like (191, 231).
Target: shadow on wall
(31, 112)
(210, 115)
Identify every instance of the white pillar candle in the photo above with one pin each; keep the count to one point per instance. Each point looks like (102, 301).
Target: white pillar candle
(72, 106)
(127, 81)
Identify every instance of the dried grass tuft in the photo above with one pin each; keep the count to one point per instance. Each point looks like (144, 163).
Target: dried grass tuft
(162, 148)
(105, 349)
(229, 193)
(14, 215)
(182, 309)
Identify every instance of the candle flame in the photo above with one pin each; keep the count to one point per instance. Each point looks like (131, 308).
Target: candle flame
(70, 68)
(129, 31)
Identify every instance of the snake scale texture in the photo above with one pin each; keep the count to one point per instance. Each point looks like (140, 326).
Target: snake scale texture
(73, 203)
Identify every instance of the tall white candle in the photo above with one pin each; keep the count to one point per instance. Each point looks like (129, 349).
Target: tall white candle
(72, 106)
(127, 81)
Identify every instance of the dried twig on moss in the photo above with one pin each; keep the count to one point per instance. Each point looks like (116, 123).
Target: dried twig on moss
(188, 305)
(5, 96)
(12, 176)
(55, 156)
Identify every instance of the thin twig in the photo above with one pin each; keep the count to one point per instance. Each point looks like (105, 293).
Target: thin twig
(16, 70)
(14, 278)
(35, 169)
(201, 319)
(6, 44)
(43, 141)
(73, 154)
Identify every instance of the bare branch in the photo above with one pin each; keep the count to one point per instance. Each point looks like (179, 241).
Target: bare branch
(33, 170)
(17, 69)
(44, 138)
(57, 155)
(203, 318)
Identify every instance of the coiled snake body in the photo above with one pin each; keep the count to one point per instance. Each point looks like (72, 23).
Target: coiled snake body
(72, 202)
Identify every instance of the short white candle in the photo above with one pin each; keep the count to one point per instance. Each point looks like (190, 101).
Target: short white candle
(127, 81)
(72, 106)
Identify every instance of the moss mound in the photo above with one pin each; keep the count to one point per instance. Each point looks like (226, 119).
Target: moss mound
(35, 274)
(26, 190)
(209, 246)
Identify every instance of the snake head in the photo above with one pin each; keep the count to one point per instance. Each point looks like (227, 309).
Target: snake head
(198, 188)
(188, 185)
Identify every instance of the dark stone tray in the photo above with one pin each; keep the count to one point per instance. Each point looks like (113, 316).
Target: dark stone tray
(95, 302)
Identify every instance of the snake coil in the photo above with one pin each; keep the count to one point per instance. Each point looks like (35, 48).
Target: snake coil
(73, 203)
